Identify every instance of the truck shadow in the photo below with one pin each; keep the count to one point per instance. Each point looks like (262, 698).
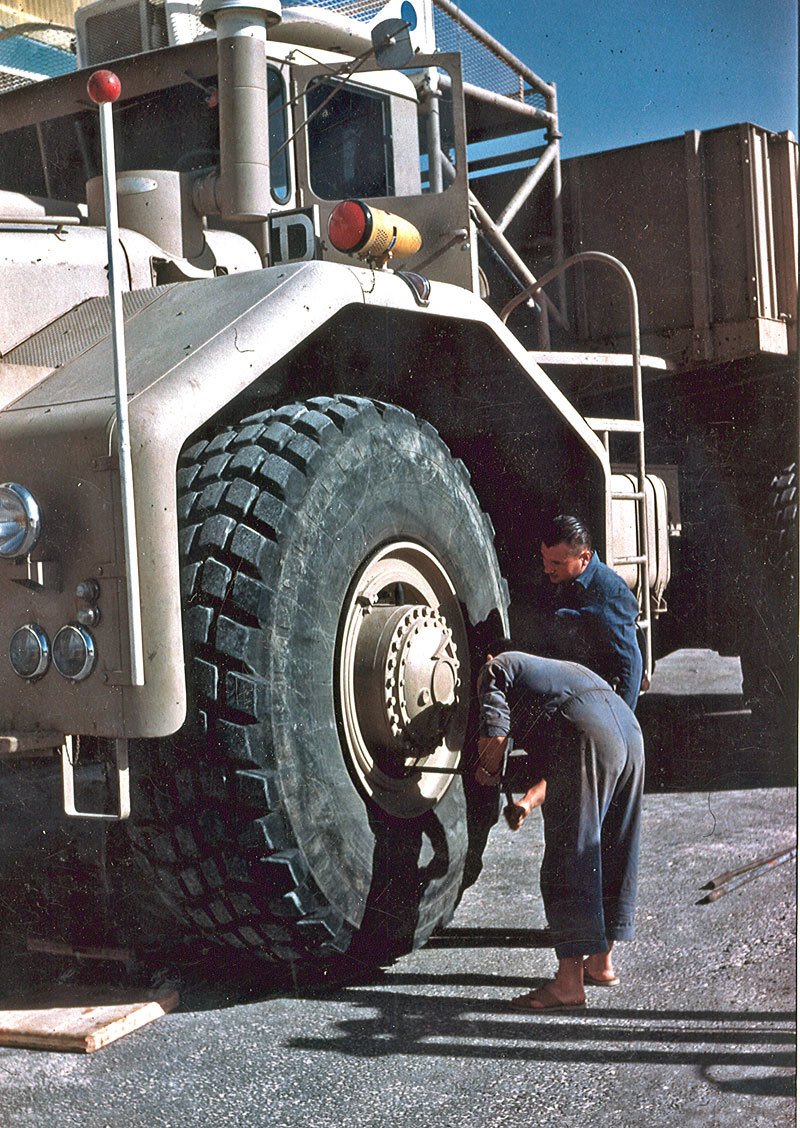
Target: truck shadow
(714, 743)
(394, 1023)
(701, 735)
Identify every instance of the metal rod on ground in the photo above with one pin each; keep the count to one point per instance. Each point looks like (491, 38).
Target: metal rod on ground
(104, 88)
(724, 878)
(747, 874)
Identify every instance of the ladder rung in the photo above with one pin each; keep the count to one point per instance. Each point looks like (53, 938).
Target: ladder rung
(631, 426)
(599, 360)
(627, 497)
(623, 560)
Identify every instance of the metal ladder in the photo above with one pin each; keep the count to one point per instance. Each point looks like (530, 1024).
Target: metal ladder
(605, 428)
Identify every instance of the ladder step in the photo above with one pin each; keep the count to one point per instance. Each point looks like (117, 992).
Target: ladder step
(631, 426)
(627, 497)
(599, 360)
(623, 560)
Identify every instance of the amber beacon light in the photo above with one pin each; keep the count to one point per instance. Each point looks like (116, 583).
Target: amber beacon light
(371, 234)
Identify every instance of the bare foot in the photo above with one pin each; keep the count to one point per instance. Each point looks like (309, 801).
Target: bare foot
(598, 971)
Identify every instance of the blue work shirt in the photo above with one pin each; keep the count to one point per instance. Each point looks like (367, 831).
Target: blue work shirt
(605, 610)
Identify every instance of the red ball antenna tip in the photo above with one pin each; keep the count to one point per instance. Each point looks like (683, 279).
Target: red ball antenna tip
(104, 86)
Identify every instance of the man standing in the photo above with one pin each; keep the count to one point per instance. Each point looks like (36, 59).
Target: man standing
(590, 793)
(592, 613)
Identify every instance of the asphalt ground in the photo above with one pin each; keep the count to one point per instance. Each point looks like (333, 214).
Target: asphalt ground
(701, 1031)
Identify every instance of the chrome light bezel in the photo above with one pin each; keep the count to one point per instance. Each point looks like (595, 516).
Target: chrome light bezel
(34, 631)
(28, 523)
(89, 652)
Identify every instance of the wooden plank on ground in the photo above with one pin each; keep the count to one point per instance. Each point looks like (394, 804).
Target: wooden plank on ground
(79, 1018)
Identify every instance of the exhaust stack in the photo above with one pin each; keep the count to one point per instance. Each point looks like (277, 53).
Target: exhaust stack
(241, 189)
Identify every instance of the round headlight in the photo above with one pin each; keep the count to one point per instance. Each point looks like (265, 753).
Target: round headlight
(20, 522)
(29, 652)
(74, 652)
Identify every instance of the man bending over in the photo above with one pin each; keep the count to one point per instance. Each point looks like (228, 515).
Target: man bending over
(592, 759)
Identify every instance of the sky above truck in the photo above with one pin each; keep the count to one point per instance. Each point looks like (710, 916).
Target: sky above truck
(626, 72)
(631, 72)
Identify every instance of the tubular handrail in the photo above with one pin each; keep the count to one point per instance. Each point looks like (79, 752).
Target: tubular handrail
(638, 405)
(455, 13)
(57, 221)
(549, 162)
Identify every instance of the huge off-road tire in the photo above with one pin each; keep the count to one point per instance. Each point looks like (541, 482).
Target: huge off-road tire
(784, 503)
(336, 564)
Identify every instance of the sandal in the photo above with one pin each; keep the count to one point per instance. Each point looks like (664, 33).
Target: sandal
(590, 981)
(546, 999)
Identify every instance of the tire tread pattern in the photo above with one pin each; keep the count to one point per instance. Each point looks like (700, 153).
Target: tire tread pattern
(212, 831)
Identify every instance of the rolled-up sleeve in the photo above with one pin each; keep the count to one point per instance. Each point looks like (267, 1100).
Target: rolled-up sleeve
(493, 701)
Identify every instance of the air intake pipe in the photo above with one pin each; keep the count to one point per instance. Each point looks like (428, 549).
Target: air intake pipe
(240, 190)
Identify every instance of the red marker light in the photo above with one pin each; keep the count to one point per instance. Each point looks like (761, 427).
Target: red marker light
(349, 226)
(372, 234)
(104, 86)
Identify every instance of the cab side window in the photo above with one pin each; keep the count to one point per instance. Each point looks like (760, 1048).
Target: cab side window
(349, 141)
(278, 137)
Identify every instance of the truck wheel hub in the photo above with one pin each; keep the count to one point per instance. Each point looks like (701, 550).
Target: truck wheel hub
(411, 649)
(400, 659)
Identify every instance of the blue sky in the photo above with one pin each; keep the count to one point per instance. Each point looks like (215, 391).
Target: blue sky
(630, 72)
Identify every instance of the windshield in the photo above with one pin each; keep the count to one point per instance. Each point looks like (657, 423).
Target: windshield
(55, 158)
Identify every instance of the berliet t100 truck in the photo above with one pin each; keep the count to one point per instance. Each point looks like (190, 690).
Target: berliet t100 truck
(244, 598)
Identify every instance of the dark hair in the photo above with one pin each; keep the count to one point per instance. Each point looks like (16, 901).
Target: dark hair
(567, 530)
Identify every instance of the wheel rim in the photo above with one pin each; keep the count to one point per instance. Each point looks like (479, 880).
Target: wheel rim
(402, 668)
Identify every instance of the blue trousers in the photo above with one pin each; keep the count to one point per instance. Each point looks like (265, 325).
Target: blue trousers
(592, 816)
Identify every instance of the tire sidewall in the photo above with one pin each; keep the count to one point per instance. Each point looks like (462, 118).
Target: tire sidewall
(367, 495)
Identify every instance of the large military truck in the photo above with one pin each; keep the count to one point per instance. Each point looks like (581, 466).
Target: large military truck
(254, 586)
